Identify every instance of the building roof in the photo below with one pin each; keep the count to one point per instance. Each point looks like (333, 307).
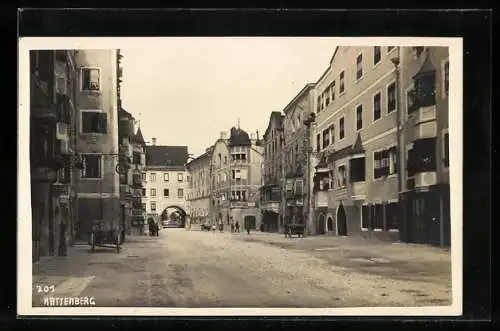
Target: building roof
(276, 118)
(427, 67)
(124, 113)
(138, 137)
(203, 156)
(239, 137)
(166, 155)
(299, 95)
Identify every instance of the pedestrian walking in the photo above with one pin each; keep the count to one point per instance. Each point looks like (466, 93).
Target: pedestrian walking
(214, 227)
(232, 227)
(150, 227)
(237, 227)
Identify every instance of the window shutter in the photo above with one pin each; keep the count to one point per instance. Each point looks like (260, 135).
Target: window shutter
(371, 216)
(377, 164)
(385, 166)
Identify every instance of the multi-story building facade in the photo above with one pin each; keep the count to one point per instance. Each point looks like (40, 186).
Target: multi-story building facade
(425, 201)
(132, 159)
(236, 168)
(270, 201)
(53, 88)
(199, 187)
(166, 181)
(138, 221)
(296, 152)
(366, 128)
(357, 181)
(98, 183)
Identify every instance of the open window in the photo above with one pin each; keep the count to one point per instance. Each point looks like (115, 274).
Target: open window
(94, 121)
(357, 169)
(92, 166)
(91, 79)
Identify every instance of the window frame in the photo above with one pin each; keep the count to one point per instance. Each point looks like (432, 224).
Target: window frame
(408, 147)
(101, 166)
(180, 196)
(151, 190)
(386, 205)
(327, 140)
(343, 128)
(445, 132)
(379, 93)
(82, 68)
(388, 148)
(362, 67)
(342, 82)
(356, 117)
(167, 191)
(180, 177)
(151, 204)
(357, 157)
(100, 111)
(445, 94)
(395, 96)
(376, 64)
(379, 150)
(152, 177)
(340, 165)
(167, 176)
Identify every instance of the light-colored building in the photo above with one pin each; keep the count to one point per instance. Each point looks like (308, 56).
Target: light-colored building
(272, 173)
(199, 188)
(97, 184)
(166, 181)
(425, 212)
(236, 170)
(296, 152)
(356, 141)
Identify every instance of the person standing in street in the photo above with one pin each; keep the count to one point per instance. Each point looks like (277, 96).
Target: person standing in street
(237, 227)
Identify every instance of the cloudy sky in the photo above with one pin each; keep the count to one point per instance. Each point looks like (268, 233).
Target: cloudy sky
(187, 90)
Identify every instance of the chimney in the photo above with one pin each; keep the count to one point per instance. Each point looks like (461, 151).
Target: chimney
(258, 138)
(153, 141)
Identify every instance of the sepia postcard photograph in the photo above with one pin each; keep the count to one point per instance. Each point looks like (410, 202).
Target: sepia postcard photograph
(240, 176)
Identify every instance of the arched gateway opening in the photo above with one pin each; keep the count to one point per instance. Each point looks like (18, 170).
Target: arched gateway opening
(173, 217)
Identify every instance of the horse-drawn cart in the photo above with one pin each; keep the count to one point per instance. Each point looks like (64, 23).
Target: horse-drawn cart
(105, 234)
(295, 229)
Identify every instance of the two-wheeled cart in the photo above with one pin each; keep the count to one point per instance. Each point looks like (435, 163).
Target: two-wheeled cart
(106, 234)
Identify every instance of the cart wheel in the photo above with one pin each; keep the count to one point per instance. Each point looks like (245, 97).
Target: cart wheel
(92, 242)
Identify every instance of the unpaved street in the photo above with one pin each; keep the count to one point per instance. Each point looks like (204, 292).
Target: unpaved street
(203, 269)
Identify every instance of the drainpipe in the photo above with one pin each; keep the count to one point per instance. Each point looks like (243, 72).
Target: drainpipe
(400, 152)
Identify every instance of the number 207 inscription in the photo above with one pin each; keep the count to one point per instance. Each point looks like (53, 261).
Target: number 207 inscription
(45, 289)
